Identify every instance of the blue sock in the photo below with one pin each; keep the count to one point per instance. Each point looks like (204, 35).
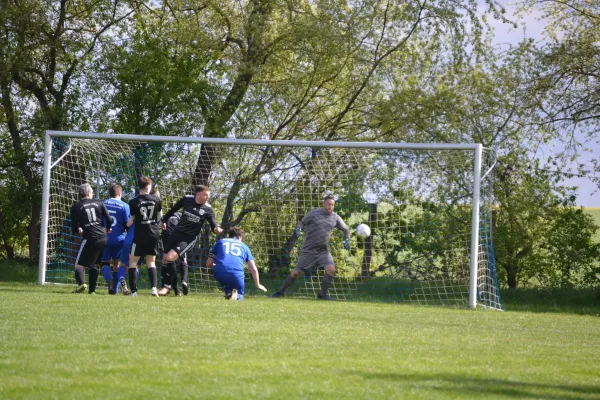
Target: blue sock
(107, 273)
(121, 273)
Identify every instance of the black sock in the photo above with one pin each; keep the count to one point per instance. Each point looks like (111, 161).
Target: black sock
(173, 282)
(169, 272)
(152, 276)
(132, 279)
(327, 281)
(93, 279)
(79, 276)
(288, 282)
(184, 271)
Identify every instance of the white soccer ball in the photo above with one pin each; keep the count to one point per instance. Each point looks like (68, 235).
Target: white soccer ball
(363, 230)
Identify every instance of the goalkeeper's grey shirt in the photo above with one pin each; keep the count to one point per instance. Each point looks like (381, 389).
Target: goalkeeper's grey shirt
(318, 225)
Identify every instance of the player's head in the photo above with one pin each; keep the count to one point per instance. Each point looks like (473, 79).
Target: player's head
(155, 192)
(145, 184)
(85, 191)
(115, 191)
(236, 232)
(328, 203)
(202, 194)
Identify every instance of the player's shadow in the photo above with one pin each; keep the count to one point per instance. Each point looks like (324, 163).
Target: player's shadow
(454, 385)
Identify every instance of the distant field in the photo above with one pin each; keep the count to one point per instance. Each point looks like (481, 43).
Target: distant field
(595, 212)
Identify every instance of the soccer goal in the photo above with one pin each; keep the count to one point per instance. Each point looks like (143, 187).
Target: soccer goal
(429, 207)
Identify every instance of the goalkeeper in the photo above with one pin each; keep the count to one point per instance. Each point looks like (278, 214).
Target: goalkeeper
(318, 224)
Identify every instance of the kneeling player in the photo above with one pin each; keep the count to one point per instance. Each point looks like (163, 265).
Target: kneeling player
(90, 219)
(145, 212)
(227, 257)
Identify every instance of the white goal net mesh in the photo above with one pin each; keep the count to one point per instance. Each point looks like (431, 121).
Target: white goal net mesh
(418, 204)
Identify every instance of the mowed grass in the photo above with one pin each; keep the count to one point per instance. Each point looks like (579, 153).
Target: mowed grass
(61, 345)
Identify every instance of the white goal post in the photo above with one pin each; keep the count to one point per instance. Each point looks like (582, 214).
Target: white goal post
(429, 207)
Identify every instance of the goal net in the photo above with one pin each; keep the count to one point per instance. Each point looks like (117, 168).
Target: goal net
(429, 208)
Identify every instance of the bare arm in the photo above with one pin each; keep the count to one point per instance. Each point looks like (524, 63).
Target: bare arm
(254, 272)
(210, 262)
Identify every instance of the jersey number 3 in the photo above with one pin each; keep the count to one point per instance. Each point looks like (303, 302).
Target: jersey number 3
(233, 248)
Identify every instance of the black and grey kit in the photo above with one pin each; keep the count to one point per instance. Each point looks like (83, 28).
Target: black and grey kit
(93, 218)
(169, 276)
(190, 223)
(146, 210)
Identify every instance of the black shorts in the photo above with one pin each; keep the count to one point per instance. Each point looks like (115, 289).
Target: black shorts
(145, 246)
(90, 252)
(180, 242)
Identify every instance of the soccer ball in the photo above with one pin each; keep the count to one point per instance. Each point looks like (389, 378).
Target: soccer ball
(363, 230)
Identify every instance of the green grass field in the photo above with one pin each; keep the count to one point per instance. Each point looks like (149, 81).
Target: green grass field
(60, 345)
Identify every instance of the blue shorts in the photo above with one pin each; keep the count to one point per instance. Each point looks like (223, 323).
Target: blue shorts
(112, 252)
(230, 280)
(125, 253)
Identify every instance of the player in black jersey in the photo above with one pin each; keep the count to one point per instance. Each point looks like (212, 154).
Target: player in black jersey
(166, 277)
(145, 212)
(196, 210)
(90, 219)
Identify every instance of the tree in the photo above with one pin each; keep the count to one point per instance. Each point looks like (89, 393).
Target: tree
(566, 81)
(42, 49)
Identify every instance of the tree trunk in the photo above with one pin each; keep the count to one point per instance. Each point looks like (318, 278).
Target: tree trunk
(33, 231)
(10, 250)
(512, 277)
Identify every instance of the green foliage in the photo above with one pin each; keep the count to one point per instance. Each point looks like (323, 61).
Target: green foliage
(541, 237)
(556, 300)
(15, 212)
(18, 270)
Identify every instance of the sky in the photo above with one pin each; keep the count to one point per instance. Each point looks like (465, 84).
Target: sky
(532, 26)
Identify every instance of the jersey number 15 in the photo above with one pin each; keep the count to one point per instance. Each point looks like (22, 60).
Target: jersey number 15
(233, 248)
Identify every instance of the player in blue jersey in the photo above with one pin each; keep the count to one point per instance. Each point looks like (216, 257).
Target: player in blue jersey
(127, 242)
(227, 257)
(114, 274)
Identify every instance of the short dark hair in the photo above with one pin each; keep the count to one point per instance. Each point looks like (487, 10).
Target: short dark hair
(201, 188)
(236, 232)
(155, 191)
(328, 197)
(115, 190)
(144, 182)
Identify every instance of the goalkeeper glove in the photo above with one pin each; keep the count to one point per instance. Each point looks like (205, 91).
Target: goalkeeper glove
(298, 231)
(347, 244)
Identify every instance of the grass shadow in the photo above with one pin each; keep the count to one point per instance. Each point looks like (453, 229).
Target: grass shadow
(462, 386)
